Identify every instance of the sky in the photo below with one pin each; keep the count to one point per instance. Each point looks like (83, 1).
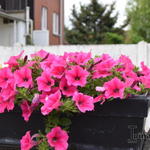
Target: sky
(120, 8)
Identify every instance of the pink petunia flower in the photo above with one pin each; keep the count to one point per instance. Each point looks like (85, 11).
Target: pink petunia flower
(132, 83)
(129, 82)
(44, 94)
(46, 64)
(104, 68)
(13, 60)
(145, 81)
(8, 92)
(23, 77)
(103, 57)
(6, 77)
(26, 110)
(66, 89)
(129, 74)
(40, 53)
(57, 71)
(79, 58)
(51, 102)
(45, 82)
(58, 138)
(126, 63)
(100, 89)
(2, 107)
(30, 64)
(9, 104)
(35, 101)
(77, 76)
(137, 88)
(83, 102)
(59, 60)
(101, 98)
(26, 142)
(145, 69)
(114, 88)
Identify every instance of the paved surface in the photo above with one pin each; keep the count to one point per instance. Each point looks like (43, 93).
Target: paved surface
(8, 149)
(147, 141)
(147, 145)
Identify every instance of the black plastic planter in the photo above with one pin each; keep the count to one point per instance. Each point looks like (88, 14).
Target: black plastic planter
(114, 125)
(13, 127)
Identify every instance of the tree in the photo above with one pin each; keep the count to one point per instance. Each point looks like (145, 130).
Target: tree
(113, 38)
(92, 24)
(139, 20)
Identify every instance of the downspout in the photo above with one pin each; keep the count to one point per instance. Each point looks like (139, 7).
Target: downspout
(61, 20)
(27, 20)
(31, 28)
(15, 32)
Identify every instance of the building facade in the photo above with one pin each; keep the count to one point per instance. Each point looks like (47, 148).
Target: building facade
(49, 15)
(44, 19)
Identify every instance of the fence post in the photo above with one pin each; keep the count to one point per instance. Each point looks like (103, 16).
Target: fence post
(142, 54)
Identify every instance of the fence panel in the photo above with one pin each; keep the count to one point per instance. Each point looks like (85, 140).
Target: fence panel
(137, 52)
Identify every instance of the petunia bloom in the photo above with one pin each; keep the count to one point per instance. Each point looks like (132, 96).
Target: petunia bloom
(46, 64)
(13, 60)
(44, 95)
(26, 142)
(57, 71)
(26, 110)
(23, 77)
(35, 101)
(101, 98)
(57, 138)
(145, 81)
(45, 82)
(104, 68)
(79, 58)
(41, 54)
(103, 57)
(66, 89)
(114, 88)
(8, 92)
(51, 102)
(100, 89)
(77, 76)
(126, 63)
(6, 77)
(83, 102)
(9, 104)
(145, 69)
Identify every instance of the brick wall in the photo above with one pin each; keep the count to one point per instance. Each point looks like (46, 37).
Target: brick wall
(52, 6)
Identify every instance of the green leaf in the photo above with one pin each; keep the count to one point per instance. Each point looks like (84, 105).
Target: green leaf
(68, 106)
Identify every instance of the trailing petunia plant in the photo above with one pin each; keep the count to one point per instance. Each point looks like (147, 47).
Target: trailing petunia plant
(60, 86)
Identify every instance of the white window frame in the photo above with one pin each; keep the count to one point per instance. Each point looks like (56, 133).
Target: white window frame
(56, 24)
(44, 18)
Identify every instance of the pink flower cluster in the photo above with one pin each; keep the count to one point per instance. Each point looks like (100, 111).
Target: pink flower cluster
(57, 138)
(46, 81)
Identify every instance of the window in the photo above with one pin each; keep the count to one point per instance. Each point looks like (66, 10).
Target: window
(55, 24)
(44, 19)
(14, 4)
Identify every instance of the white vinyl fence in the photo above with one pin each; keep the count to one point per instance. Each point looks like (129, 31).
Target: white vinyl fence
(137, 52)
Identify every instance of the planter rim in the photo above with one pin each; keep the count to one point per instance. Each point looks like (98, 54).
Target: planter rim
(136, 106)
